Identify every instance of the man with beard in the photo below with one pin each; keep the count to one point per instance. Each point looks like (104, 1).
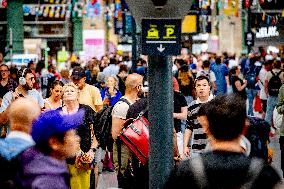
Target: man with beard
(25, 88)
(121, 153)
(199, 141)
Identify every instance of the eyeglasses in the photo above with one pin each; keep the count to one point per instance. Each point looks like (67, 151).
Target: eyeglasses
(4, 71)
(32, 78)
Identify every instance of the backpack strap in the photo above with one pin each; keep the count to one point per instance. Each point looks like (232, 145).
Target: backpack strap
(197, 168)
(124, 100)
(254, 170)
(273, 74)
(278, 74)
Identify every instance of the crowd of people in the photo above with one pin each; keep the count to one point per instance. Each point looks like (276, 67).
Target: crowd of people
(48, 118)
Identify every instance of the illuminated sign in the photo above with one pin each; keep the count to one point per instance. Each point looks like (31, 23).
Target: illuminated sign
(270, 31)
(161, 36)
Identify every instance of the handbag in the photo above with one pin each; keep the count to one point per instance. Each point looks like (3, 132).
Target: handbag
(135, 135)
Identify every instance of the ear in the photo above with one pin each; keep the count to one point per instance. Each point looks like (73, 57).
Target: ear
(54, 143)
(247, 124)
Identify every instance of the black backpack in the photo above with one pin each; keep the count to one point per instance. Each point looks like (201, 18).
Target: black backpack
(258, 135)
(251, 77)
(274, 84)
(103, 124)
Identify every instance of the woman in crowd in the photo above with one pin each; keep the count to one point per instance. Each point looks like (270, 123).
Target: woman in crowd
(110, 94)
(122, 74)
(65, 76)
(238, 85)
(80, 169)
(54, 101)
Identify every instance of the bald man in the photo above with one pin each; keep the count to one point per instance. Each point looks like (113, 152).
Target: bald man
(22, 113)
(133, 84)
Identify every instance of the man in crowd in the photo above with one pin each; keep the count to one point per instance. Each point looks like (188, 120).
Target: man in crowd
(267, 66)
(226, 166)
(7, 84)
(111, 69)
(22, 113)
(25, 89)
(273, 81)
(44, 165)
(121, 153)
(89, 95)
(199, 141)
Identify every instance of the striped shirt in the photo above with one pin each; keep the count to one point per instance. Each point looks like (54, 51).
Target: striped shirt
(199, 137)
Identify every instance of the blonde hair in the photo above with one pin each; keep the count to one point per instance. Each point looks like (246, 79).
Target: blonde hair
(70, 85)
(133, 80)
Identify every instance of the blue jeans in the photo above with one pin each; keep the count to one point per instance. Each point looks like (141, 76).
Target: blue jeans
(271, 103)
(251, 93)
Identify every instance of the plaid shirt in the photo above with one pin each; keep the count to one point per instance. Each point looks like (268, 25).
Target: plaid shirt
(12, 85)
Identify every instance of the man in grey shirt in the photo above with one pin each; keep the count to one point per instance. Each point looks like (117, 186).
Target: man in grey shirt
(25, 88)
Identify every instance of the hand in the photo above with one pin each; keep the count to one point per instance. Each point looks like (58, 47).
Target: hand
(186, 151)
(111, 90)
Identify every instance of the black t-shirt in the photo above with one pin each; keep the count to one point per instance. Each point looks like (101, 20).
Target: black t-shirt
(84, 130)
(179, 102)
(139, 106)
(235, 90)
(3, 90)
(225, 170)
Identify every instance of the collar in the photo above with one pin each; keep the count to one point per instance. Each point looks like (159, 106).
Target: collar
(209, 98)
(22, 135)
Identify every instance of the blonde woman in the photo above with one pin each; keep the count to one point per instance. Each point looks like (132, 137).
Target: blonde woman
(80, 177)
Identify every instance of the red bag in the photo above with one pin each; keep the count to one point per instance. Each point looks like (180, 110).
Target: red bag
(257, 104)
(135, 135)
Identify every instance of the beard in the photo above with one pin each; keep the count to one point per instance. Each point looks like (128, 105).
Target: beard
(27, 87)
(140, 94)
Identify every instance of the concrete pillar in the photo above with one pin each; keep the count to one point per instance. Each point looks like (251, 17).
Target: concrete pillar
(15, 28)
(77, 34)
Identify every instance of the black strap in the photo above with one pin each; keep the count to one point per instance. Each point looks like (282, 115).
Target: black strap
(124, 100)
(118, 145)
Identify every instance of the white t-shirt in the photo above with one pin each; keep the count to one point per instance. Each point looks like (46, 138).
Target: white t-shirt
(262, 77)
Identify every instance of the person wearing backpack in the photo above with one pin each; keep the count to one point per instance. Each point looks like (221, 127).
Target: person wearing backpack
(274, 80)
(121, 153)
(225, 166)
(22, 112)
(251, 78)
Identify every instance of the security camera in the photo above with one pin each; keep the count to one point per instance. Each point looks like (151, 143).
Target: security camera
(159, 4)
(159, 7)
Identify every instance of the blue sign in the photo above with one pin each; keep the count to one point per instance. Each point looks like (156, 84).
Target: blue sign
(161, 37)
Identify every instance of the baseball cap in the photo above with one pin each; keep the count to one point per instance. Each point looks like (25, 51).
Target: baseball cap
(78, 73)
(52, 122)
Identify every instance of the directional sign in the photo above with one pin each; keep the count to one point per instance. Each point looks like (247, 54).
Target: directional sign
(249, 38)
(161, 37)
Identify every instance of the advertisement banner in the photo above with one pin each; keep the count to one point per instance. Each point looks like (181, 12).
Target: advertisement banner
(93, 43)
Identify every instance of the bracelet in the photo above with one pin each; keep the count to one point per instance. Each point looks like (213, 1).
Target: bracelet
(94, 149)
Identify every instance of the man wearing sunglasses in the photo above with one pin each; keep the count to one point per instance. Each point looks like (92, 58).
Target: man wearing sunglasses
(25, 88)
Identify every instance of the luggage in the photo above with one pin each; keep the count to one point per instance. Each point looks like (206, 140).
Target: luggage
(135, 135)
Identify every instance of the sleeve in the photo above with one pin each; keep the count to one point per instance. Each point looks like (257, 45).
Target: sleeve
(120, 110)
(268, 178)
(49, 182)
(189, 121)
(96, 95)
(40, 100)
(183, 102)
(7, 99)
(115, 98)
(280, 104)
(226, 70)
(212, 77)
